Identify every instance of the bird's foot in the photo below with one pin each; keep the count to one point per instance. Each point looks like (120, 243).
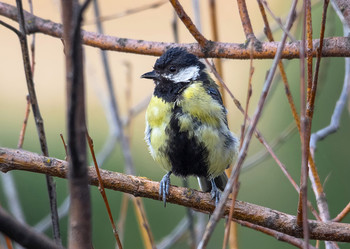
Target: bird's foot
(215, 192)
(164, 187)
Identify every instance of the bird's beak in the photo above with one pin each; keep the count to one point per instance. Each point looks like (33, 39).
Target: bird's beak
(150, 75)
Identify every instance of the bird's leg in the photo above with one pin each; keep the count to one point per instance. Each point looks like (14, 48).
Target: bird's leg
(215, 192)
(164, 187)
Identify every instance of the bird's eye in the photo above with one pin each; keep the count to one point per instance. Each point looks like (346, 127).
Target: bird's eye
(172, 69)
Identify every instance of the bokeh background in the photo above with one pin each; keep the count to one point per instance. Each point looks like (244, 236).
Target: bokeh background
(263, 184)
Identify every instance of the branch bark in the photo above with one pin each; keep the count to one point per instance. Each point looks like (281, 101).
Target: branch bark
(11, 159)
(333, 47)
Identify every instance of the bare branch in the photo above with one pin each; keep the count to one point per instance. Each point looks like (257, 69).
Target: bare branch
(202, 41)
(11, 159)
(24, 235)
(333, 47)
(80, 208)
(247, 26)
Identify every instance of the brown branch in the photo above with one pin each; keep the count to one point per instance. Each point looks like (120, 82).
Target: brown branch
(333, 47)
(247, 26)
(279, 236)
(203, 42)
(302, 220)
(342, 214)
(80, 206)
(102, 190)
(23, 234)
(39, 123)
(12, 159)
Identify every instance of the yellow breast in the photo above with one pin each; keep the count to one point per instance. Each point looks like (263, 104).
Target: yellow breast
(158, 117)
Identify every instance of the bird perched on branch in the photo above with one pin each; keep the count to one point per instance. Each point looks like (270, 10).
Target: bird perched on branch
(186, 123)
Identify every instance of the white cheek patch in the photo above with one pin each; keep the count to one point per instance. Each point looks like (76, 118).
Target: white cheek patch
(185, 75)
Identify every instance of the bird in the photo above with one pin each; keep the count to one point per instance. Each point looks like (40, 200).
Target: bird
(186, 130)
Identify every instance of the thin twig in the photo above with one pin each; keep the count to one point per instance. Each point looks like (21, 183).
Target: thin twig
(117, 127)
(64, 146)
(304, 135)
(11, 159)
(102, 190)
(278, 235)
(122, 215)
(230, 215)
(38, 120)
(32, 45)
(314, 177)
(242, 153)
(312, 88)
(8, 242)
(24, 126)
(342, 214)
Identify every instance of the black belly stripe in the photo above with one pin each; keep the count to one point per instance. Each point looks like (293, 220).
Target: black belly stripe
(186, 154)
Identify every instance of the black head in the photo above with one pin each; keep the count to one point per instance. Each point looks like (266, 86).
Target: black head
(175, 65)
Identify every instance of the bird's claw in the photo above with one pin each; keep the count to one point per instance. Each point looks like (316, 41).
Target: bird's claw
(215, 192)
(164, 187)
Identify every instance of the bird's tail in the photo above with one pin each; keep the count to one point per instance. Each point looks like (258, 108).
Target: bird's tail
(220, 182)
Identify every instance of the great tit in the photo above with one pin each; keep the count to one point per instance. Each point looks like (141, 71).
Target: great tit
(186, 123)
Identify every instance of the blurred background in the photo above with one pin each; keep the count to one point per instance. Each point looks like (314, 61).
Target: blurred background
(262, 182)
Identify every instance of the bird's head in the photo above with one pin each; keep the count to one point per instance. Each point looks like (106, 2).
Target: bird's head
(175, 65)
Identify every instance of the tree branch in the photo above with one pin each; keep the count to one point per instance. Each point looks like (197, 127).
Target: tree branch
(80, 229)
(11, 159)
(333, 47)
(23, 234)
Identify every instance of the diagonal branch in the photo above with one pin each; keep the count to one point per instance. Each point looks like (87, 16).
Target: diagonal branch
(247, 26)
(203, 42)
(333, 47)
(23, 234)
(39, 122)
(11, 159)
